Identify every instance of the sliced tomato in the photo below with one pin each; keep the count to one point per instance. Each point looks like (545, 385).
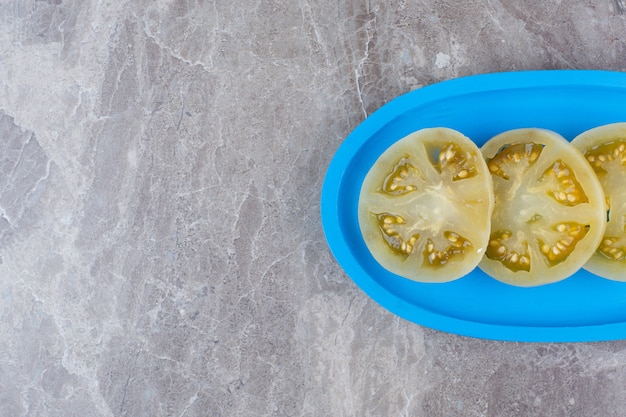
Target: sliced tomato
(604, 148)
(425, 205)
(549, 208)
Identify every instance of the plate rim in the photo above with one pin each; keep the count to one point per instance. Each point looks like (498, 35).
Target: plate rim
(478, 83)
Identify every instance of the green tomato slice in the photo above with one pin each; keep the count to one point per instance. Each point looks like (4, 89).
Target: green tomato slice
(549, 208)
(604, 148)
(425, 204)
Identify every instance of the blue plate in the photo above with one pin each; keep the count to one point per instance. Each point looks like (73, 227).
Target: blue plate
(583, 307)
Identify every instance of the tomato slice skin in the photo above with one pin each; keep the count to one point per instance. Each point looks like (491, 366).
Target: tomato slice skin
(604, 147)
(549, 208)
(425, 204)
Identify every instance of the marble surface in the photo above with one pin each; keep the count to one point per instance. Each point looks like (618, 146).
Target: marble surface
(161, 252)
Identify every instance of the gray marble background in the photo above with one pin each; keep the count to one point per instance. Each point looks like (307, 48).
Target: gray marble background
(161, 252)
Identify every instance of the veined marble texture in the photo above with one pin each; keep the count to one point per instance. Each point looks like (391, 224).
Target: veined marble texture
(161, 252)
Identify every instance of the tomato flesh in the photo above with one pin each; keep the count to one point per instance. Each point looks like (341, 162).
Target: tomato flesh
(604, 147)
(548, 213)
(425, 204)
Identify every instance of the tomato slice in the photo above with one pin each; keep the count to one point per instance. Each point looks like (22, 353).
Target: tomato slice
(425, 205)
(604, 148)
(549, 208)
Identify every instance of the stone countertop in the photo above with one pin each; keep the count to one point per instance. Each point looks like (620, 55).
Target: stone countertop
(161, 250)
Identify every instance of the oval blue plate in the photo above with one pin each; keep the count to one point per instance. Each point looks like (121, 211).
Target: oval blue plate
(583, 307)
